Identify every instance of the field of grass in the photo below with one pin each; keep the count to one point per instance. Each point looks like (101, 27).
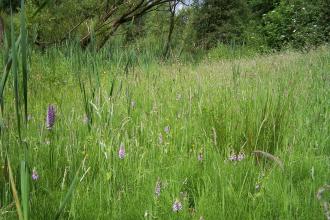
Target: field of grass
(180, 125)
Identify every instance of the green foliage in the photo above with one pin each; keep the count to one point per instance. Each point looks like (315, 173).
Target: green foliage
(56, 20)
(220, 21)
(262, 25)
(324, 20)
(233, 51)
(262, 7)
(294, 24)
(7, 5)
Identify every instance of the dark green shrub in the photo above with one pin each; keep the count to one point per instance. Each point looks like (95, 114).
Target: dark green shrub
(294, 24)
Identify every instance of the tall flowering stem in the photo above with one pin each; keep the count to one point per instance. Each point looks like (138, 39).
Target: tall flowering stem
(177, 206)
(167, 129)
(200, 157)
(121, 152)
(50, 119)
(158, 188)
(35, 175)
(236, 157)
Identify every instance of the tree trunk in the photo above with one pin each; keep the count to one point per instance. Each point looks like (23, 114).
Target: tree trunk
(85, 41)
(172, 9)
(107, 37)
(169, 37)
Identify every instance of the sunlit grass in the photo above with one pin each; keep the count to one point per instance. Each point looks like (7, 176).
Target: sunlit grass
(166, 115)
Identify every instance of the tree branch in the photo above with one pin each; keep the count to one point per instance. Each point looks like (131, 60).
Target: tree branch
(141, 8)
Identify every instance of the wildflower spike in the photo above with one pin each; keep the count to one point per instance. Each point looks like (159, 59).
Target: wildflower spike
(50, 119)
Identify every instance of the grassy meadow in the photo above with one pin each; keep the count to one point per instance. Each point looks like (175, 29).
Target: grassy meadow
(133, 138)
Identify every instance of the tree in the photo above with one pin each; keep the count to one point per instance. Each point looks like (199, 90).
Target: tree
(172, 7)
(220, 21)
(87, 19)
(119, 13)
(7, 5)
(296, 24)
(60, 20)
(262, 7)
(325, 18)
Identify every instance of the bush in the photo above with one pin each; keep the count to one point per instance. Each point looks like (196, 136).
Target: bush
(294, 24)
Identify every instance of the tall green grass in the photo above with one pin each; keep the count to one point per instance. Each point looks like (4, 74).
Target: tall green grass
(277, 104)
